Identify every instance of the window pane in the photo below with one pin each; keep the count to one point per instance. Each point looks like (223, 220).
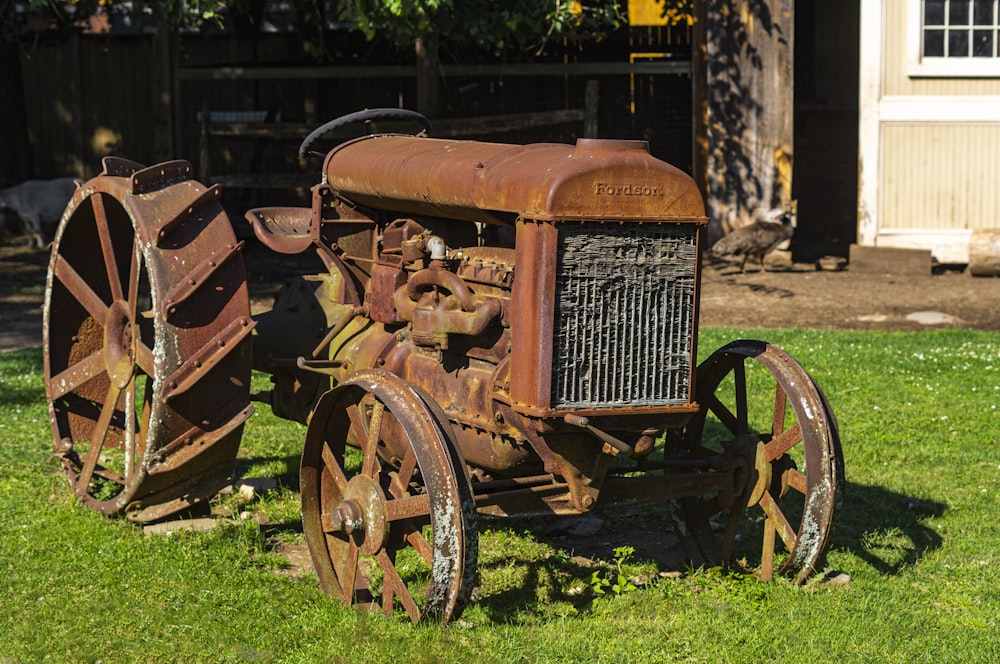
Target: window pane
(933, 43)
(958, 12)
(982, 43)
(958, 43)
(933, 12)
(982, 12)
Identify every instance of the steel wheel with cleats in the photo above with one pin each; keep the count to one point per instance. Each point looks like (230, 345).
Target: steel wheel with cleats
(758, 404)
(146, 341)
(395, 529)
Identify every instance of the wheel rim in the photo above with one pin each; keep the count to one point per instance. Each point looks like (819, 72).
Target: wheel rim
(760, 405)
(138, 292)
(365, 526)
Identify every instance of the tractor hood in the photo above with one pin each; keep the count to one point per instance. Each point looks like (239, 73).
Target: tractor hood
(595, 179)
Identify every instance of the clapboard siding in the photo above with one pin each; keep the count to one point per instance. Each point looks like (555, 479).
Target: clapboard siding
(940, 176)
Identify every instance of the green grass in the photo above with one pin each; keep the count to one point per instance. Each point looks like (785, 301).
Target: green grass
(920, 426)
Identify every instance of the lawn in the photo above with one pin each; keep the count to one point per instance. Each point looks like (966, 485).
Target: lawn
(917, 535)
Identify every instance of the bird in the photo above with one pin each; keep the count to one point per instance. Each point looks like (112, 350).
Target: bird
(757, 239)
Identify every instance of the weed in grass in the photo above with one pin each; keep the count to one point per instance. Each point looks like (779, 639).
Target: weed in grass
(602, 580)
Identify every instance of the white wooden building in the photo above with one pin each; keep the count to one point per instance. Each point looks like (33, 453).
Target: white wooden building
(929, 124)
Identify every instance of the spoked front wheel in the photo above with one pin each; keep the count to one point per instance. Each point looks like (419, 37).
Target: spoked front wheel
(398, 531)
(758, 404)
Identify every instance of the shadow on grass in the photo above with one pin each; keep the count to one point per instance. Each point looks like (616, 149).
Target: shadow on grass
(289, 463)
(552, 575)
(16, 363)
(884, 528)
(583, 544)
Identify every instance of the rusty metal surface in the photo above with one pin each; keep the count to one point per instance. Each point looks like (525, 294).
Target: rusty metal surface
(469, 180)
(410, 475)
(286, 230)
(532, 310)
(146, 407)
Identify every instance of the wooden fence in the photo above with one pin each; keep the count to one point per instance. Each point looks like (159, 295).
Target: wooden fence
(89, 96)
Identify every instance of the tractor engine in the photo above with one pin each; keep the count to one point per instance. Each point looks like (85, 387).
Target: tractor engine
(543, 296)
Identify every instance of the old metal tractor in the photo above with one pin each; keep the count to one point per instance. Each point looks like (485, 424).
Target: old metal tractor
(498, 330)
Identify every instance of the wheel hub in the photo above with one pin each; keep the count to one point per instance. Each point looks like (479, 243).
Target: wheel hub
(119, 344)
(361, 514)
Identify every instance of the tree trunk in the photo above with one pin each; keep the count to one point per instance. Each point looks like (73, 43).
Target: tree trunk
(748, 109)
(699, 95)
(15, 166)
(428, 78)
(162, 84)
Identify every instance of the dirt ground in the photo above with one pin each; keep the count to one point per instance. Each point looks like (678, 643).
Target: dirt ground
(792, 295)
(800, 295)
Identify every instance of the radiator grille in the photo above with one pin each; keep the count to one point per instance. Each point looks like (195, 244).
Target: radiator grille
(624, 314)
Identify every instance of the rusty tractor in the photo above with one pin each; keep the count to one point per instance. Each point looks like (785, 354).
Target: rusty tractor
(499, 330)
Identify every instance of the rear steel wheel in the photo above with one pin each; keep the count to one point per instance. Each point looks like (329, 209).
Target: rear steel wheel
(146, 341)
(398, 531)
(760, 405)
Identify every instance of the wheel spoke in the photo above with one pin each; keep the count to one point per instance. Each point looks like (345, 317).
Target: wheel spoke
(144, 356)
(719, 409)
(409, 507)
(350, 571)
(145, 359)
(98, 437)
(107, 249)
(86, 369)
(393, 586)
(109, 475)
(730, 532)
(401, 479)
(767, 552)
(369, 464)
(359, 427)
(779, 522)
(143, 431)
(419, 542)
(81, 290)
(742, 416)
(783, 442)
(332, 466)
(797, 480)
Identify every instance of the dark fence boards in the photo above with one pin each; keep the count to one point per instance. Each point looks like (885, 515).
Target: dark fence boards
(87, 97)
(144, 98)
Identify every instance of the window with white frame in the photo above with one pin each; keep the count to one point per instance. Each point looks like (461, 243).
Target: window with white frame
(954, 38)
